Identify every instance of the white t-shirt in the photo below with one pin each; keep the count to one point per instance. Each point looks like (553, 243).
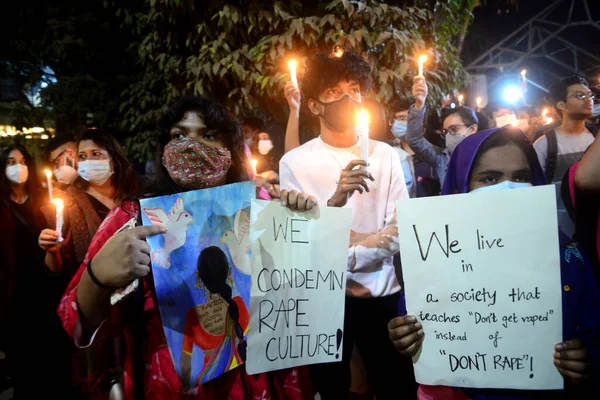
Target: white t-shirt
(570, 150)
(314, 168)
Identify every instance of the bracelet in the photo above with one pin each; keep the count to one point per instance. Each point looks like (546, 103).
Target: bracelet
(94, 279)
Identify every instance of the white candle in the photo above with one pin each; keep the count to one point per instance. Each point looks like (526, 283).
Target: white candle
(254, 162)
(422, 59)
(58, 203)
(294, 78)
(363, 128)
(49, 182)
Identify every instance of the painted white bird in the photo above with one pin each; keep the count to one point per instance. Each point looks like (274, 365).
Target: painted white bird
(238, 242)
(176, 223)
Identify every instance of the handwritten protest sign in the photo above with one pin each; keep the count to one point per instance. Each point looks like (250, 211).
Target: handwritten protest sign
(482, 274)
(201, 268)
(298, 286)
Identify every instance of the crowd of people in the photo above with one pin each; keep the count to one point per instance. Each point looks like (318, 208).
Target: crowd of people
(63, 338)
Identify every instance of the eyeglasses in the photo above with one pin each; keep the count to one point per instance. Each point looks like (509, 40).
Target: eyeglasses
(583, 96)
(452, 129)
(401, 118)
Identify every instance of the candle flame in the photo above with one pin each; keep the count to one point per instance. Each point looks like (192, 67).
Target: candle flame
(545, 112)
(59, 204)
(48, 173)
(523, 73)
(422, 58)
(363, 119)
(292, 64)
(460, 97)
(478, 101)
(338, 51)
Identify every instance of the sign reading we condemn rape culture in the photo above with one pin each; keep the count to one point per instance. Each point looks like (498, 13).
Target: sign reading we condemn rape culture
(482, 275)
(298, 286)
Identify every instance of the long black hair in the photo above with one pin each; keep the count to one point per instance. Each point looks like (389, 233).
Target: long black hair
(213, 268)
(216, 117)
(123, 179)
(32, 185)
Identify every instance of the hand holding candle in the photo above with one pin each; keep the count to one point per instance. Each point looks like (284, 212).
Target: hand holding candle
(422, 59)
(49, 183)
(292, 64)
(363, 129)
(59, 217)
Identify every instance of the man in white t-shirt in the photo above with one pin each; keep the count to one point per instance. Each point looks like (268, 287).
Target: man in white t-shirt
(330, 168)
(562, 147)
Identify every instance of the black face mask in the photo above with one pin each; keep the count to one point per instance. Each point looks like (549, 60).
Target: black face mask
(340, 114)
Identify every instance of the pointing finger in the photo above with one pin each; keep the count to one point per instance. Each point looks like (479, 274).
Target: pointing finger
(142, 232)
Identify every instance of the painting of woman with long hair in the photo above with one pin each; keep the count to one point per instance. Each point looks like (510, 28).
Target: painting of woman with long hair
(216, 326)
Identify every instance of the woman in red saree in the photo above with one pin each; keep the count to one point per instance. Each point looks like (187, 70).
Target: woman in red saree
(200, 146)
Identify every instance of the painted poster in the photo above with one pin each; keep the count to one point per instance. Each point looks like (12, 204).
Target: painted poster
(298, 286)
(201, 270)
(482, 275)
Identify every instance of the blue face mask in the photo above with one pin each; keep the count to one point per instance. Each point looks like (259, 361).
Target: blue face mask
(502, 186)
(399, 129)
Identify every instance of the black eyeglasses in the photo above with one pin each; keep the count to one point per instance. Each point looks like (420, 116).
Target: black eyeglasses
(402, 118)
(452, 129)
(583, 96)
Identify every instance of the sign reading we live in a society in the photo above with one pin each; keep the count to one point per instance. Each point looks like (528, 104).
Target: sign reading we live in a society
(482, 275)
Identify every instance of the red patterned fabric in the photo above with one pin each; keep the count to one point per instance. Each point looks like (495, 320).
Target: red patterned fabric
(161, 379)
(195, 165)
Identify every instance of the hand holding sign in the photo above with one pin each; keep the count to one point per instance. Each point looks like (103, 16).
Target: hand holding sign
(297, 201)
(573, 361)
(125, 256)
(406, 334)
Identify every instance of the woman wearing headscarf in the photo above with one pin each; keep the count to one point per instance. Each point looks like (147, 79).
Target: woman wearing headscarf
(499, 159)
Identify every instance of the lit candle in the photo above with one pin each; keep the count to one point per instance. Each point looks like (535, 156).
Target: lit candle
(363, 128)
(478, 101)
(460, 99)
(253, 162)
(59, 204)
(545, 112)
(339, 52)
(294, 78)
(524, 75)
(422, 59)
(49, 182)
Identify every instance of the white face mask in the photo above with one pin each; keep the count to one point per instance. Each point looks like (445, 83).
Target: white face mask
(67, 173)
(17, 173)
(264, 146)
(596, 111)
(454, 140)
(503, 186)
(95, 172)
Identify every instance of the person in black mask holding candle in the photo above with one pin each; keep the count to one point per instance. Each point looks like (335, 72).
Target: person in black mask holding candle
(333, 169)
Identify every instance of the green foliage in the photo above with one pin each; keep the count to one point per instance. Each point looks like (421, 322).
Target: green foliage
(238, 53)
